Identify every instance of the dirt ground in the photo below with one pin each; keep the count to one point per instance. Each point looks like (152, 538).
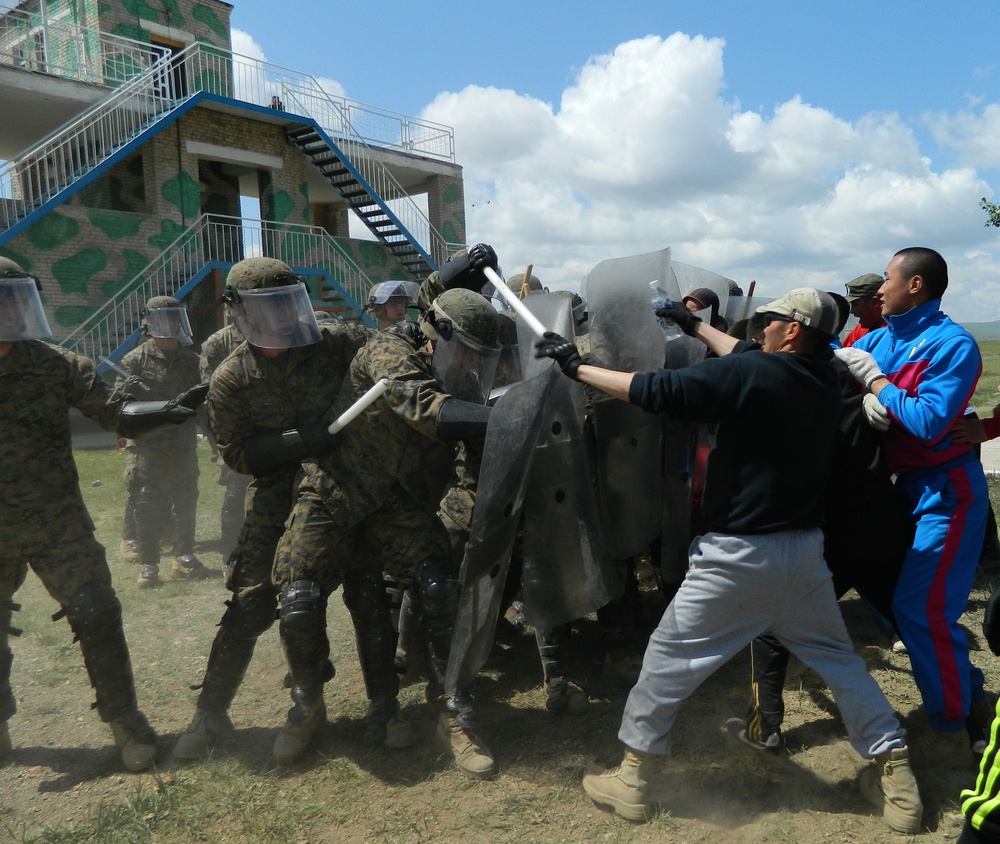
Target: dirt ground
(65, 770)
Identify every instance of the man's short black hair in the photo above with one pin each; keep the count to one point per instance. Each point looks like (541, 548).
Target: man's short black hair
(929, 265)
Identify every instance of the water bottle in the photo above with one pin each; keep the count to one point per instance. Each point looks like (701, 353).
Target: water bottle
(660, 299)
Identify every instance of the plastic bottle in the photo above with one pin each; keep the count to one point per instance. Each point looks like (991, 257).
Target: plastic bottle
(660, 299)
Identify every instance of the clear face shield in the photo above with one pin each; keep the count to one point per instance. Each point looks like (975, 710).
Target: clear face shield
(464, 368)
(22, 316)
(276, 317)
(169, 324)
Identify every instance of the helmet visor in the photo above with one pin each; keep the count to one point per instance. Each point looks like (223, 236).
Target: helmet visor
(277, 317)
(465, 369)
(394, 290)
(22, 316)
(169, 324)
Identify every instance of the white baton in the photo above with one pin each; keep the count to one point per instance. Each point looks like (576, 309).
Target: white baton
(514, 301)
(359, 406)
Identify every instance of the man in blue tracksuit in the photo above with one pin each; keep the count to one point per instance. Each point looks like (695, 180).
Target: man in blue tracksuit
(923, 368)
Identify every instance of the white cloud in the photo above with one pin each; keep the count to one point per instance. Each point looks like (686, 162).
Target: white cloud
(244, 45)
(645, 151)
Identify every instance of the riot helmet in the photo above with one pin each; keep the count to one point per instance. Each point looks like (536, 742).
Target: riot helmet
(167, 319)
(385, 299)
(270, 304)
(465, 330)
(522, 288)
(22, 316)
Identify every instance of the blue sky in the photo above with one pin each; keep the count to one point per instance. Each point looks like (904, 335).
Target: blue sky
(791, 143)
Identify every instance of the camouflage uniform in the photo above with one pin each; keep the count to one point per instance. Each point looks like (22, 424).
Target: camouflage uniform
(161, 473)
(214, 350)
(44, 522)
(251, 395)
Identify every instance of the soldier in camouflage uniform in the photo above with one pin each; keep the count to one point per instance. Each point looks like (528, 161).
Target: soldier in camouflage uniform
(266, 409)
(386, 501)
(161, 475)
(214, 350)
(388, 301)
(44, 522)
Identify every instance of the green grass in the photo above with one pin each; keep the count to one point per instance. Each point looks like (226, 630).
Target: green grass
(986, 396)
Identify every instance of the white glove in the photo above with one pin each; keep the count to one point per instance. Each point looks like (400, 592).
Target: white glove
(861, 364)
(875, 415)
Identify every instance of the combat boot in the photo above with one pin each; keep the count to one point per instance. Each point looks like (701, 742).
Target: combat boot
(189, 567)
(129, 550)
(386, 726)
(135, 739)
(563, 696)
(203, 733)
(6, 747)
(149, 576)
(304, 720)
(621, 668)
(472, 756)
(625, 788)
(889, 785)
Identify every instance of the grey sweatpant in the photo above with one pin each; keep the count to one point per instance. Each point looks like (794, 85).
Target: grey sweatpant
(738, 586)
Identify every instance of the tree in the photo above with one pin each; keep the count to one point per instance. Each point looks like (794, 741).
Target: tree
(992, 210)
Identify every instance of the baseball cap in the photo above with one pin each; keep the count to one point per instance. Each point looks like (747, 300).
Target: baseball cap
(863, 287)
(807, 305)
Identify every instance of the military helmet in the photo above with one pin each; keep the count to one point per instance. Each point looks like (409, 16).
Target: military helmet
(517, 286)
(9, 269)
(463, 314)
(259, 273)
(508, 329)
(162, 302)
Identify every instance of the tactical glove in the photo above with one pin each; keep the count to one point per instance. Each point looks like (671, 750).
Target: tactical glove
(561, 350)
(686, 321)
(270, 453)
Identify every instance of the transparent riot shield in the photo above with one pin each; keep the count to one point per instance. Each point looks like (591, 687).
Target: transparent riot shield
(689, 279)
(744, 307)
(507, 458)
(625, 335)
(568, 572)
(555, 312)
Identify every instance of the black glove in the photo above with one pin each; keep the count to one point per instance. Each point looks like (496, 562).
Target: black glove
(561, 350)
(991, 622)
(467, 270)
(193, 398)
(686, 321)
(270, 453)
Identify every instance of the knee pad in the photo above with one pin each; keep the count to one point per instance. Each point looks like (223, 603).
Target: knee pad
(93, 612)
(303, 606)
(251, 616)
(437, 588)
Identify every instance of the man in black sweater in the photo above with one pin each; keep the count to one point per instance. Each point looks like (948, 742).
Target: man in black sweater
(761, 565)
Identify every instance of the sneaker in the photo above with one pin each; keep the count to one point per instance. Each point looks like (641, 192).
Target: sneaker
(889, 785)
(149, 576)
(625, 788)
(771, 743)
(621, 668)
(931, 749)
(135, 739)
(472, 756)
(6, 747)
(129, 550)
(563, 696)
(297, 734)
(201, 736)
(897, 645)
(189, 567)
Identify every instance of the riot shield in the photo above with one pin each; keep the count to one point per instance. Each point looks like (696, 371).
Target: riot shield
(556, 313)
(625, 335)
(507, 457)
(744, 307)
(567, 570)
(690, 278)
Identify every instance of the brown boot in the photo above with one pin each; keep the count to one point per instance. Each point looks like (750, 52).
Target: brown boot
(472, 756)
(625, 788)
(304, 720)
(135, 739)
(889, 785)
(129, 550)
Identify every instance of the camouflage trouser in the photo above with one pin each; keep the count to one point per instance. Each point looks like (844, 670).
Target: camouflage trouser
(456, 516)
(75, 573)
(163, 490)
(321, 543)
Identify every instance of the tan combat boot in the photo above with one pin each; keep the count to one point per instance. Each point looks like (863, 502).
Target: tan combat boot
(625, 788)
(472, 756)
(189, 567)
(889, 785)
(562, 695)
(304, 720)
(135, 740)
(201, 736)
(129, 551)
